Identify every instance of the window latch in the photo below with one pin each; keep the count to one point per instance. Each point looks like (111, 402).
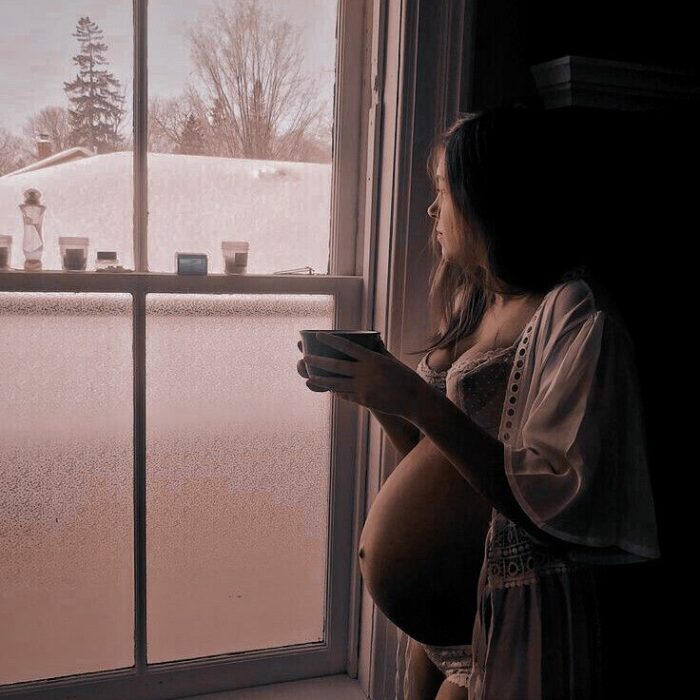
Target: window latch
(296, 271)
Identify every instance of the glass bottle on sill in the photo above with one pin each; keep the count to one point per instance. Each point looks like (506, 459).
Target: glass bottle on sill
(33, 216)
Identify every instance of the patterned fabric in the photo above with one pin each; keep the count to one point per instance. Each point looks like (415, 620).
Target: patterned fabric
(515, 559)
(454, 661)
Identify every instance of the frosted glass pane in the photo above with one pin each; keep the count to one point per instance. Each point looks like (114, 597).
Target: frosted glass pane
(66, 506)
(82, 166)
(240, 131)
(238, 455)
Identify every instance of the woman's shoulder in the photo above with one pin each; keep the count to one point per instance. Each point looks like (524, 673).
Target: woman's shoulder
(575, 300)
(573, 295)
(584, 293)
(578, 305)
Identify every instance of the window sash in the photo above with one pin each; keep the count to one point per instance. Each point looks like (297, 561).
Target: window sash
(346, 283)
(245, 668)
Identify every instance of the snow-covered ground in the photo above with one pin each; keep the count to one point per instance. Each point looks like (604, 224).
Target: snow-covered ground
(195, 202)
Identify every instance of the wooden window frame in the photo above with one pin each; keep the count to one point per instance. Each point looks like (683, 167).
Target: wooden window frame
(427, 58)
(352, 161)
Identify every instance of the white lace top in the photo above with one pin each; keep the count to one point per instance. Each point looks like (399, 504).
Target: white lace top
(477, 384)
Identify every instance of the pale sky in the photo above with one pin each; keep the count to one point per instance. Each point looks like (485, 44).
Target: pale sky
(36, 47)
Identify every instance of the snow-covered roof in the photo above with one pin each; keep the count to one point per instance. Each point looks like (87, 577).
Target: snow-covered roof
(281, 208)
(54, 159)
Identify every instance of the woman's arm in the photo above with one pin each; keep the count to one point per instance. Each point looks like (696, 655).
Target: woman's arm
(474, 453)
(403, 434)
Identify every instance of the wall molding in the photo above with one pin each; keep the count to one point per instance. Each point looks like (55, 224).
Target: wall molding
(579, 81)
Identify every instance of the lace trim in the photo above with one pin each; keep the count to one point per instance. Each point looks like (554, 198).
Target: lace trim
(514, 559)
(470, 363)
(456, 661)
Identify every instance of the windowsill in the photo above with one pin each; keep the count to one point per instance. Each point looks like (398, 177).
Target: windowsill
(132, 273)
(339, 687)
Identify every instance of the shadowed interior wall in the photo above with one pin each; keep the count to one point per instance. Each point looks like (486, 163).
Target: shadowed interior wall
(635, 207)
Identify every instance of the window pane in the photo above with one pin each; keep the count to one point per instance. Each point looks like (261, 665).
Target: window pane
(240, 124)
(238, 455)
(64, 130)
(66, 504)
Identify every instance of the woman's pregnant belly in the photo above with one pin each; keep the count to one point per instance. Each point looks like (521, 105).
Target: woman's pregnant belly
(422, 547)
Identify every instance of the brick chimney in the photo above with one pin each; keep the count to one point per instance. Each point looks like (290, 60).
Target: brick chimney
(43, 146)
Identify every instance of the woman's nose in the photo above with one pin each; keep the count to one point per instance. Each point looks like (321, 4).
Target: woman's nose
(432, 210)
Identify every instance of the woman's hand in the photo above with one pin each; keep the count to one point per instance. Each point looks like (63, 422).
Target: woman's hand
(375, 380)
(301, 369)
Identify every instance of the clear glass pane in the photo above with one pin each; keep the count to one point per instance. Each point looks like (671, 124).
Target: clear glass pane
(64, 130)
(240, 125)
(66, 485)
(238, 455)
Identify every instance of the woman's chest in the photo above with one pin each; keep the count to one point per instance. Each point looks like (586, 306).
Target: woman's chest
(497, 330)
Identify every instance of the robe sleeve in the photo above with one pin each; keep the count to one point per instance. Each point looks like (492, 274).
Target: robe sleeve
(579, 470)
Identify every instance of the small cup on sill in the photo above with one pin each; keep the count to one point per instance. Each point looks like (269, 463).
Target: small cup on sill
(5, 252)
(235, 257)
(74, 252)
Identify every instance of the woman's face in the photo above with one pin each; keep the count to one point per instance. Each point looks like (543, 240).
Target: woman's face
(443, 210)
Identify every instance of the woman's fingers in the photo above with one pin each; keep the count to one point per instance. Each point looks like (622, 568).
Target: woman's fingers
(301, 369)
(301, 365)
(316, 388)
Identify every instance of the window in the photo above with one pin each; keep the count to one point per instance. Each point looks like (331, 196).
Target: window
(176, 507)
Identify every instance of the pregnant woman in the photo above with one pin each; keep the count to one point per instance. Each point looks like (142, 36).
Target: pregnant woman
(524, 465)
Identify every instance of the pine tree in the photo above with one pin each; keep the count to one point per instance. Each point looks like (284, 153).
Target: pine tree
(95, 94)
(191, 138)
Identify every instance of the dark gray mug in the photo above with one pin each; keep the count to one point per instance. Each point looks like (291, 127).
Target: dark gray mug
(311, 346)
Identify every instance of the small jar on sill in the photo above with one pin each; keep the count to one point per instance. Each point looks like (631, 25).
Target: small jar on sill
(5, 252)
(74, 251)
(106, 259)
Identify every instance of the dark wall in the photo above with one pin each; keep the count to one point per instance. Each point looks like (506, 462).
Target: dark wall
(635, 185)
(662, 34)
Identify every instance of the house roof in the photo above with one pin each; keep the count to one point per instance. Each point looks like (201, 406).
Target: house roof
(69, 154)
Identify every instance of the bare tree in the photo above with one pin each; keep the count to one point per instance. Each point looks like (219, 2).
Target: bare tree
(166, 121)
(52, 121)
(257, 103)
(315, 145)
(11, 152)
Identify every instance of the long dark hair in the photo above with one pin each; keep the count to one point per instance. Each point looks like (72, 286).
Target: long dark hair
(506, 172)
